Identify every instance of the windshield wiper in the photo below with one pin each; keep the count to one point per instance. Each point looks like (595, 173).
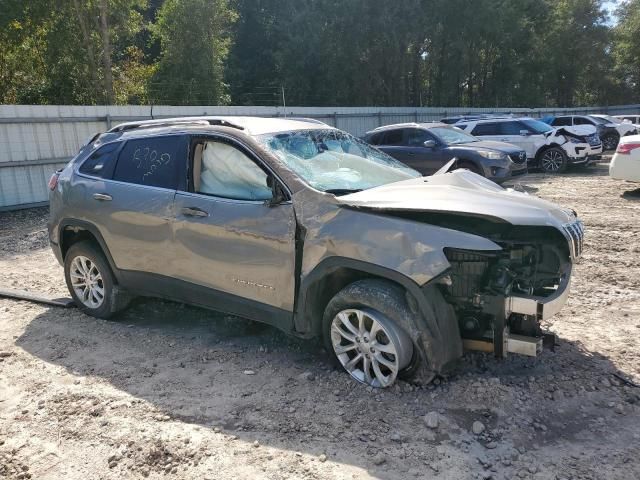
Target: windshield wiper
(343, 191)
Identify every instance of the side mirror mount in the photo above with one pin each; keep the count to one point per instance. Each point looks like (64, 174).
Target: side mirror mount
(524, 133)
(429, 144)
(279, 195)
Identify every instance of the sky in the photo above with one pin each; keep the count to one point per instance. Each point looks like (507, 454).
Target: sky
(610, 6)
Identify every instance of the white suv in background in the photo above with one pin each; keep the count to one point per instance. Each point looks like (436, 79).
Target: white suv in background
(551, 149)
(628, 119)
(623, 128)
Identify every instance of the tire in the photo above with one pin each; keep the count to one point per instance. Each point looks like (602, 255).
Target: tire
(610, 141)
(472, 167)
(553, 160)
(100, 297)
(373, 301)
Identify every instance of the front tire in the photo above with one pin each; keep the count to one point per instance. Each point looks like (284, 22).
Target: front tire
(365, 330)
(610, 141)
(90, 281)
(472, 167)
(553, 160)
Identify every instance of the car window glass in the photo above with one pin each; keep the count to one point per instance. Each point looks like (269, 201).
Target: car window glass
(151, 161)
(227, 172)
(582, 121)
(485, 129)
(99, 161)
(392, 137)
(561, 121)
(375, 139)
(416, 137)
(511, 128)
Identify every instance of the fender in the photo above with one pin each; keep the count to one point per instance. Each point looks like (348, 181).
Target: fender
(329, 265)
(65, 223)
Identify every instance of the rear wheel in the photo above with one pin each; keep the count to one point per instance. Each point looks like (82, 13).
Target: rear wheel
(365, 329)
(91, 282)
(553, 160)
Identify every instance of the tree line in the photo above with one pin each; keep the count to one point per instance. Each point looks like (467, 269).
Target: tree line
(473, 53)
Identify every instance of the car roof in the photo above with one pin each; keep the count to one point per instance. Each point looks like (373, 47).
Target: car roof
(494, 120)
(249, 125)
(394, 126)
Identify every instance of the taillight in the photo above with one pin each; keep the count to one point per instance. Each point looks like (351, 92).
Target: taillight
(625, 148)
(53, 181)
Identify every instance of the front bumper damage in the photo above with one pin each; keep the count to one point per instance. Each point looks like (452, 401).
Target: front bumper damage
(542, 308)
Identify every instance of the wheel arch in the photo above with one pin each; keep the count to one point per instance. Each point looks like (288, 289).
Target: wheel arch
(72, 231)
(329, 277)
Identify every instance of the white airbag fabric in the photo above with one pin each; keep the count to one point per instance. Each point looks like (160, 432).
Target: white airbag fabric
(229, 173)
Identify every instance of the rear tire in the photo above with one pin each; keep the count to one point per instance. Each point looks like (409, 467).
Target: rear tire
(91, 282)
(553, 160)
(381, 306)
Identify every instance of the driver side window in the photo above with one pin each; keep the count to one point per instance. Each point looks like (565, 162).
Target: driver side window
(222, 170)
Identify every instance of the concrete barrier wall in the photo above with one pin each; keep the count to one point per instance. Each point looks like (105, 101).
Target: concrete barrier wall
(36, 140)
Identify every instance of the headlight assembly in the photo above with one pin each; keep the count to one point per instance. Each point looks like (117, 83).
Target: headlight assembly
(492, 155)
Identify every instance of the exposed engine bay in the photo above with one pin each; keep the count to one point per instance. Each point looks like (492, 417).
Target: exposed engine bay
(531, 264)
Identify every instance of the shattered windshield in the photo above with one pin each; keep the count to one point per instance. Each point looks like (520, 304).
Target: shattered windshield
(334, 161)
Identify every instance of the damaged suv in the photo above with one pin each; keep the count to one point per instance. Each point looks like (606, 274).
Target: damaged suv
(309, 229)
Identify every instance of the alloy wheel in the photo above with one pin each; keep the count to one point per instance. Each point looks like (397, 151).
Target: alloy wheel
(86, 281)
(552, 161)
(609, 142)
(369, 346)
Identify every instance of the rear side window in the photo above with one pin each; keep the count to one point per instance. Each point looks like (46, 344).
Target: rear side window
(486, 129)
(152, 161)
(100, 163)
(375, 139)
(561, 121)
(392, 137)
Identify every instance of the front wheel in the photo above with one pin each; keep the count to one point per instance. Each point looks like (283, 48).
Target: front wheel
(553, 160)
(610, 141)
(364, 328)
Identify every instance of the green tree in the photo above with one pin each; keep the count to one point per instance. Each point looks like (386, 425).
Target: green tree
(194, 37)
(626, 51)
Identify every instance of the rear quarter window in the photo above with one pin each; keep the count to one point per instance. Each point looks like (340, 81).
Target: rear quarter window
(100, 163)
(151, 161)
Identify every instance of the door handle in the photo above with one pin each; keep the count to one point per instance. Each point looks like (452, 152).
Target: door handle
(194, 212)
(103, 197)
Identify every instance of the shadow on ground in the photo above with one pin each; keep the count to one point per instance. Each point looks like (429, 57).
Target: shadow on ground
(213, 370)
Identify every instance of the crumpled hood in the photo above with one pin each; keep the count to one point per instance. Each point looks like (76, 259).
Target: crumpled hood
(580, 130)
(463, 192)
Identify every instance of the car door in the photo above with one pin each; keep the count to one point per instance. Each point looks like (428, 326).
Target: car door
(520, 134)
(426, 159)
(391, 142)
(487, 131)
(231, 238)
(131, 203)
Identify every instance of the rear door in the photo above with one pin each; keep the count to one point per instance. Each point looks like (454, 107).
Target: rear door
(131, 204)
(487, 131)
(229, 238)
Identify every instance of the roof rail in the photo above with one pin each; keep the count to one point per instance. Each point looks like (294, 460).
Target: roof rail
(167, 122)
(308, 120)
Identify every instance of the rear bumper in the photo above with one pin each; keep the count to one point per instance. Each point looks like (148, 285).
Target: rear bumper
(625, 167)
(541, 307)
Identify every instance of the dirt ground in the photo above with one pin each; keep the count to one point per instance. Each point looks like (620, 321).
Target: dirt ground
(170, 391)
